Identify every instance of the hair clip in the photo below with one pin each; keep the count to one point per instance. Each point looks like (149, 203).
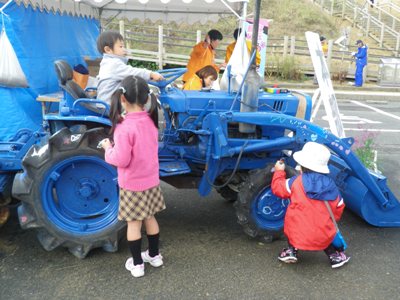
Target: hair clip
(122, 89)
(151, 92)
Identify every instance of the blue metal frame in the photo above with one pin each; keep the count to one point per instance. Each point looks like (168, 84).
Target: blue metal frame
(13, 151)
(365, 192)
(83, 119)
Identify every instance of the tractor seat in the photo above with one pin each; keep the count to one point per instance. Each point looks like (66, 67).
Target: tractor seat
(65, 74)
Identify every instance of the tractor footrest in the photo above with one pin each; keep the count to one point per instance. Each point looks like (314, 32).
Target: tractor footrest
(176, 167)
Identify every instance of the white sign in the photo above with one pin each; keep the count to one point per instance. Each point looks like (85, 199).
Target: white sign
(325, 84)
(261, 42)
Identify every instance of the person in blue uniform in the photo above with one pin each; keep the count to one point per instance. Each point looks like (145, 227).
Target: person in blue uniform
(361, 61)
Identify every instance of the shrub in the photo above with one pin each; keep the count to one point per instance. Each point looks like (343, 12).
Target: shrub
(365, 148)
(143, 64)
(285, 68)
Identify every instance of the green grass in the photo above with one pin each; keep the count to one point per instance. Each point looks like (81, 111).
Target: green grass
(295, 17)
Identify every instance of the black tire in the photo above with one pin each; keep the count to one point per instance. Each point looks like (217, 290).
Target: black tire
(69, 193)
(230, 191)
(228, 194)
(266, 224)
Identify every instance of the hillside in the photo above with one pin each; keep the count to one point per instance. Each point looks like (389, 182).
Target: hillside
(290, 17)
(296, 17)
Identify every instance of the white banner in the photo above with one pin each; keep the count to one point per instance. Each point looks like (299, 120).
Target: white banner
(238, 62)
(325, 84)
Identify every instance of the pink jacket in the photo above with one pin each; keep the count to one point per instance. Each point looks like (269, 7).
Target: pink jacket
(135, 152)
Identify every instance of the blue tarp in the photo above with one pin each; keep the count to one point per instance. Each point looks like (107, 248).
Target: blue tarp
(40, 38)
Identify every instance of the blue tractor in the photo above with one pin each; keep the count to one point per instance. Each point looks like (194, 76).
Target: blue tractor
(70, 195)
(208, 139)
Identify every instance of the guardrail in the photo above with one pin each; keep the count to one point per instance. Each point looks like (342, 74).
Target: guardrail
(377, 23)
(390, 7)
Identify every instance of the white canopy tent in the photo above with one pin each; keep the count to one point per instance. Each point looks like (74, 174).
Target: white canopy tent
(189, 11)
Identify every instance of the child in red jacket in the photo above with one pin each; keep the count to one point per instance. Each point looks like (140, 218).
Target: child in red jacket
(308, 224)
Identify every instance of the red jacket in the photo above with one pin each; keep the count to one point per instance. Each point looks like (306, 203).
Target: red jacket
(308, 225)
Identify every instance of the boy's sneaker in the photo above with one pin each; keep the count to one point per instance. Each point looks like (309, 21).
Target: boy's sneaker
(338, 259)
(136, 271)
(156, 261)
(288, 255)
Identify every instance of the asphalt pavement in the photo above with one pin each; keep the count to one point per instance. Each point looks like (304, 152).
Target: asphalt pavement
(207, 256)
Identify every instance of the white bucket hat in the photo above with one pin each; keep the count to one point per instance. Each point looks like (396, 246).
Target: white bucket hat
(313, 156)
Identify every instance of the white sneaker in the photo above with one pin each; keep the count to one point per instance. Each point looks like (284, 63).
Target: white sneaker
(156, 261)
(136, 271)
(129, 264)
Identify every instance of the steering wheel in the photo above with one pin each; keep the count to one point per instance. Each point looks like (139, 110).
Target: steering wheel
(170, 75)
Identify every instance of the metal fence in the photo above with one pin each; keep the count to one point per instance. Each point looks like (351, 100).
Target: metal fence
(376, 22)
(165, 45)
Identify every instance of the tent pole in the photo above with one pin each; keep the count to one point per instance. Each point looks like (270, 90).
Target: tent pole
(5, 5)
(257, 6)
(242, 20)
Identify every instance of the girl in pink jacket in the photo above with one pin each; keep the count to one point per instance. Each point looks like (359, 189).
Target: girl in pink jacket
(135, 154)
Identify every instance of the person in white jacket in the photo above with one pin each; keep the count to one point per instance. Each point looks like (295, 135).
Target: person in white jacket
(113, 66)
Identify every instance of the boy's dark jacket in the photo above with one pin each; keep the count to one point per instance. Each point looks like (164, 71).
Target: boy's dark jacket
(308, 225)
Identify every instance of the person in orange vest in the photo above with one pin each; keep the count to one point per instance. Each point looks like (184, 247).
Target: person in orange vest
(229, 49)
(324, 45)
(325, 48)
(204, 78)
(203, 54)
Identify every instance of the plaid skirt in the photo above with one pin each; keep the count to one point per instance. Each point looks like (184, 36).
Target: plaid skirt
(137, 206)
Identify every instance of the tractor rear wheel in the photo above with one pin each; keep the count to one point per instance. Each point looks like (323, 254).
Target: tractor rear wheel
(228, 194)
(230, 191)
(258, 210)
(69, 193)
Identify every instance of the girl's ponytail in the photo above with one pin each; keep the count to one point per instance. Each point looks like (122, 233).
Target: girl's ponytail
(135, 91)
(115, 109)
(153, 111)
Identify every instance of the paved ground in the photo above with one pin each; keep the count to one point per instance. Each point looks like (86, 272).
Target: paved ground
(207, 256)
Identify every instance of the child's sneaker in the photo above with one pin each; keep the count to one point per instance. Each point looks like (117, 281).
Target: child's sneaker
(129, 264)
(156, 261)
(136, 271)
(288, 255)
(338, 259)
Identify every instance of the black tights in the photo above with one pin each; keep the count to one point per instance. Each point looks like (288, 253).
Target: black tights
(135, 248)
